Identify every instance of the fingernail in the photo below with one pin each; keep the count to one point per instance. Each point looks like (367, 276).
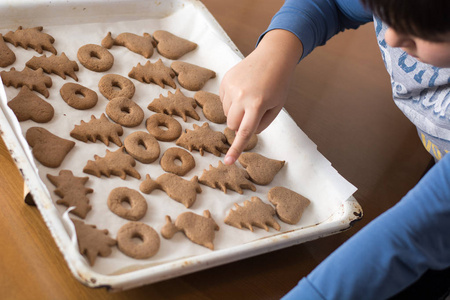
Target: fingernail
(228, 160)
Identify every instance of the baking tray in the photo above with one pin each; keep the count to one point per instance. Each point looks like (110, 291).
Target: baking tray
(333, 208)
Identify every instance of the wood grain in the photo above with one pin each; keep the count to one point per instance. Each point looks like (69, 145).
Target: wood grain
(340, 97)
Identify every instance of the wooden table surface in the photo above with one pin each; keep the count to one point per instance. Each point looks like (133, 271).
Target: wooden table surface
(341, 99)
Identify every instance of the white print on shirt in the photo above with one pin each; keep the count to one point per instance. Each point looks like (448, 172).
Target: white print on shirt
(421, 91)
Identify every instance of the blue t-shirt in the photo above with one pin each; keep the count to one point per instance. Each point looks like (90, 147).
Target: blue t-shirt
(396, 248)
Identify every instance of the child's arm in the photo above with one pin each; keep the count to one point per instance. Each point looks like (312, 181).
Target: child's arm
(255, 90)
(392, 251)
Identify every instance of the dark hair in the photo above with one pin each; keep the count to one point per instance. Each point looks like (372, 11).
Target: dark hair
(426, 19)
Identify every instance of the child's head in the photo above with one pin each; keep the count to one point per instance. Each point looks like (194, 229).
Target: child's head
(420, 27)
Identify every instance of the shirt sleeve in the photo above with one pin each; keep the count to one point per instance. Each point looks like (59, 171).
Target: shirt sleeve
(392, 251)
(316, 21)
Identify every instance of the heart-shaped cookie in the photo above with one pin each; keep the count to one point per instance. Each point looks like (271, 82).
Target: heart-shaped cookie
(172, 46)
(191, 77)
(212, 106)
(289, 205)
(261, 169)
(29, 106)
(49, 149)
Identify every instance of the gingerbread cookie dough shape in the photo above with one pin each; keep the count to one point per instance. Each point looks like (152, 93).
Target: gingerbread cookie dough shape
(212, 106)
(199, 229)
(203, 139)
(31, 37)
(72, 191)
(95, 58)
(114, 85)
(142, 45)
(172, 131)
(7, 56)
(125, 111)
(226, 177)
(289, 205)
(93, 242)
(150, 241)
(29, 106)
(231, 135)
(169, 158)
(177, 188)
(142, 146)
(156, 73)
(254, 212)
(138, 204)
(261, 169)
(98, 129)
(78, 96)
(172, 46)
(59, 65)
(116, 163)
(48, 149)
(34, 80)
(192, 77)
(175, 104)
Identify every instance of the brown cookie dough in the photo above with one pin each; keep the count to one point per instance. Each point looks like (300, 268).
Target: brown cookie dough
(7, 56)
(125, 111)
(31, 37)
(156, 121)
(169, 158)
(231, 135)
(34, 80)
(113, 85)
(261, 169)
(211, 105)
(142, 45)
(29, 106)
(289, 205)
(172, 46)
(190, 76)
(59, 65)
(142, 146)
(71, 92)
(137, 202)
(95, 58)
(149, 237)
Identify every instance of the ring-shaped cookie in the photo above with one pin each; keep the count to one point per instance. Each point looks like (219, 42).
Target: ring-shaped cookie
(125, 112)
(95, 58)
(78, 96)
(137, 203)
(149, 237)
(142, 146)
(156, 121)
(113, 85)
(169, 158)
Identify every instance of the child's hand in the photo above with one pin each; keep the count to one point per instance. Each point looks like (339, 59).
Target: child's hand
(254, 91)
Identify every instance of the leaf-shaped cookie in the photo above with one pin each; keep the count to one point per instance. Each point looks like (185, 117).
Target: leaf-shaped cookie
(157, 73)
(289, 204)
(49, 149)
(59, 65)
(254, 212)
(175, 104)
(7, 56)
(199, 229)
(177, 188)
(34, 80)
(29, 106)
(101, 129)
(116, 163)
(172, 46)
(212, 106)
(92, 241)
(261, 169)
(226, 176)
(191, 77)
(72, 191)
(142, 45)
(31, 37)
(203, 139)
(231, 135)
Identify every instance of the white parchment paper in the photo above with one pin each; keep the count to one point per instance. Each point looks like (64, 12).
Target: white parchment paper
(306, 171)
